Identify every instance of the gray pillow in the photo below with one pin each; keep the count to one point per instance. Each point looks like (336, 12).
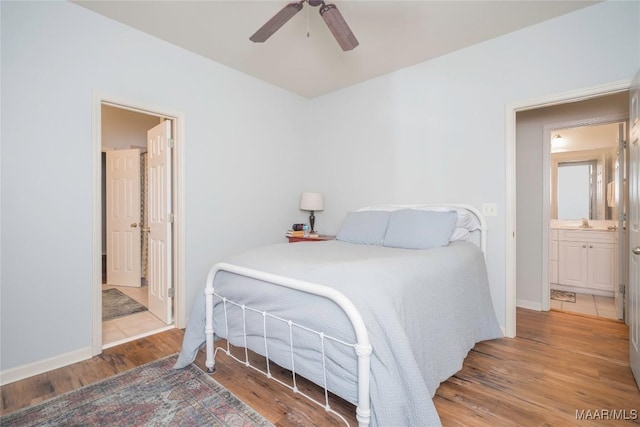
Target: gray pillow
(364, 227)
(418, 229)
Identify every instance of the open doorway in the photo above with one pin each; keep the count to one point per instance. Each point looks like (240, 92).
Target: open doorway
(126, 310)
(137, 270)
(587, 180)
(534, 129)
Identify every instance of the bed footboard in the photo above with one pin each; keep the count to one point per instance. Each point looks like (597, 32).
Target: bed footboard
(362, 346)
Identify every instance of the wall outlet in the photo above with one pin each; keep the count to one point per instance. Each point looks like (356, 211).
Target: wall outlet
(489, 209)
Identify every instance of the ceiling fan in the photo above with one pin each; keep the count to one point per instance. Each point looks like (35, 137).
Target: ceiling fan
(329, 12)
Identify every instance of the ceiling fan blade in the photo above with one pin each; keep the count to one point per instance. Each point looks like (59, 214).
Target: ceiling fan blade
(338, 27)
(278, 20)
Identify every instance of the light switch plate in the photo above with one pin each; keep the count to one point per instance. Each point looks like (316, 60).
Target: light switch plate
(489, 209)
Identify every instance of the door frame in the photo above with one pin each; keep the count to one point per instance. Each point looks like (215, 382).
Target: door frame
(510, 176)
(178, 276)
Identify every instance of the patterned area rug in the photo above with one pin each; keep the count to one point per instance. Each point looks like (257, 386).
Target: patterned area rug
(150, 395)
(116, 304)
(564, 296)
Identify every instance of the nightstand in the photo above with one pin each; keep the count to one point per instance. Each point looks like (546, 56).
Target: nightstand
(320, 238)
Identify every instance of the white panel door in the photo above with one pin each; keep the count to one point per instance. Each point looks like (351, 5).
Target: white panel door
(620, 202)
(633, 293)
(159, 204)
(123, 217)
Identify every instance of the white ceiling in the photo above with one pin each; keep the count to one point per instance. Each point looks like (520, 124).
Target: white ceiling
(586, 138)
(392, 34)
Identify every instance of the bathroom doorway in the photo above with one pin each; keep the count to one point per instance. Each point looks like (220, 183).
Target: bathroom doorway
(534, 130)
(587, 183)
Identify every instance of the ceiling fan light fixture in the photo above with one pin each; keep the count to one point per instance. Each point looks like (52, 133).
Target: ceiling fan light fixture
(338, 27)
(277, 21)
(329, 12)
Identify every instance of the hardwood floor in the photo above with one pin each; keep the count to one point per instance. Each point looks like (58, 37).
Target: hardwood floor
(559, 365)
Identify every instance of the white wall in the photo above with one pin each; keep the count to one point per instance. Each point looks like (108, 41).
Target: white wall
(435, 132)
(431, 132)
(54, 55)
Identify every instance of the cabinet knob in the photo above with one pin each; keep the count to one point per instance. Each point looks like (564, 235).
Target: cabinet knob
(636, 250)
(584, 246)
(590, 246)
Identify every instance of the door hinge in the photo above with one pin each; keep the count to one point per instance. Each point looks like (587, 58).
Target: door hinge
(170, 142)
(171, 218)
(172, 292)
(621, 289)
(623, 144)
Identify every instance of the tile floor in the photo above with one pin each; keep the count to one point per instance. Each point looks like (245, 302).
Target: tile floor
(593, 305)
(137, 325)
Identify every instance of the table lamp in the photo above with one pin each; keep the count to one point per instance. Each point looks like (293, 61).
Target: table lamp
(311, 202)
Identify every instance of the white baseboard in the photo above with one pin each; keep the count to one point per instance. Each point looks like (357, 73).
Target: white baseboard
(531, 305)
(26, 371)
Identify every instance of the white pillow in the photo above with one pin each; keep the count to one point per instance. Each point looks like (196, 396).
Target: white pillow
(459, 233)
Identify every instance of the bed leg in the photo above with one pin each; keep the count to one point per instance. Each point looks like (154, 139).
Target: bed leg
(363, 417)
(208, 329)
(363, 410)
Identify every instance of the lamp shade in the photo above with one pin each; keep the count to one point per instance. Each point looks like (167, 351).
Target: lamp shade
(311, 202)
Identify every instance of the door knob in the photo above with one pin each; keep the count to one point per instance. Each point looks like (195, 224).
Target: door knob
(146, 229)
(134, 225)
(636, 250)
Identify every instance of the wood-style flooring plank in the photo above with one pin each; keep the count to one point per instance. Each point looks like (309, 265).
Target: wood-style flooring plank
(559, 364)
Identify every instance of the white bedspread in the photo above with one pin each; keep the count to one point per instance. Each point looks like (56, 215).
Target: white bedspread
(424, 311)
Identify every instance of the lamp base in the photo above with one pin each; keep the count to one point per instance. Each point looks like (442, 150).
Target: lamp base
(312, 220)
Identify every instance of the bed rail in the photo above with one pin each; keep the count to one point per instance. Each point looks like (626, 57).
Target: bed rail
(362, 346)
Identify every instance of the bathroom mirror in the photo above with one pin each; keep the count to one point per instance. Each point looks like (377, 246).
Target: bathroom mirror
(577, 190)
(583, 173)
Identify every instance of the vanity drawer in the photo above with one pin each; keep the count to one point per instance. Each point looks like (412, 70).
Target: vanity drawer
(588, 236)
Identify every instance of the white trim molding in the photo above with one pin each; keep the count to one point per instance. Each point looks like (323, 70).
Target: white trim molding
(25, 371)
(531, 305)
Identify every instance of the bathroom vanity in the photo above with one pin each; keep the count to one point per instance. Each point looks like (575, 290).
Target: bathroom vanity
(584, 258)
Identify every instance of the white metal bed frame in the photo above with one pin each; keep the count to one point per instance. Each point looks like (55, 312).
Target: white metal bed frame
(362, 345)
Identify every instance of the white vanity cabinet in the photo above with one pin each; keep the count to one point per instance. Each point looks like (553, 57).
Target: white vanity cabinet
(587, 259)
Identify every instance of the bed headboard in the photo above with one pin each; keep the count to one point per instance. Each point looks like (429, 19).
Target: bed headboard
(469, 217)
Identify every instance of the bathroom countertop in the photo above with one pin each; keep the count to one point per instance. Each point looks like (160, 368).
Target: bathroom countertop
(594, 225)
(578, 227)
